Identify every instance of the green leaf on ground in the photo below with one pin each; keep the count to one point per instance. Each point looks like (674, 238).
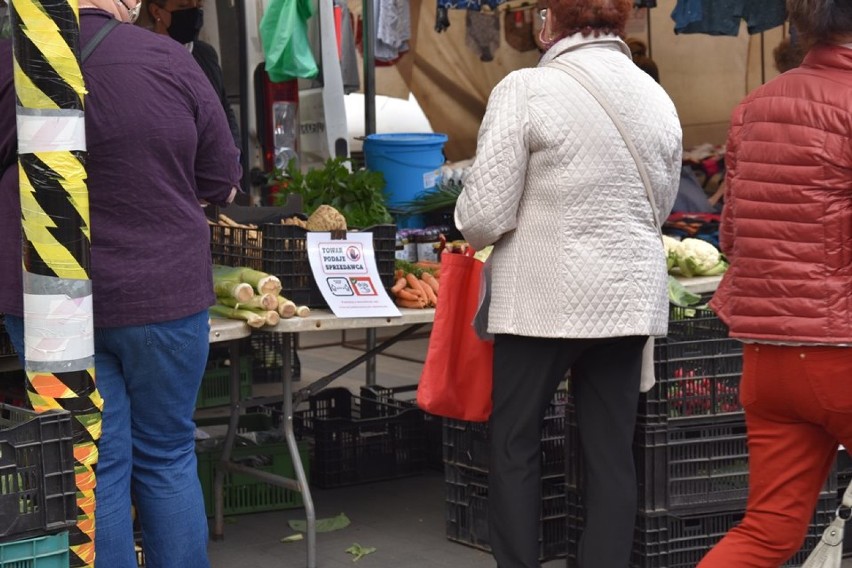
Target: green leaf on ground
(341, 521)
(293, 538)
(358, 551)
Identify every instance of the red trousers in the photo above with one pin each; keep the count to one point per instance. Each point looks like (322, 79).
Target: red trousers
(798, 406)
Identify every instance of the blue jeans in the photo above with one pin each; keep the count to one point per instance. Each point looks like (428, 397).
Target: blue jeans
(148, 376)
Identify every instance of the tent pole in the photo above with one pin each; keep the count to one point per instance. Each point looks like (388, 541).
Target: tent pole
(369, 42)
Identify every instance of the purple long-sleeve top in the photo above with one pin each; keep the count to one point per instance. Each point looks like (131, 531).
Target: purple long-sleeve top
(158, 142)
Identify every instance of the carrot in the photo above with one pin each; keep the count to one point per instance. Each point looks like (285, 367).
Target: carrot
(408, 304)
(400, 284)
(430, 293)
(413, 281)
(423, 287)
(398, 273)
(431, 281)
(407, 294)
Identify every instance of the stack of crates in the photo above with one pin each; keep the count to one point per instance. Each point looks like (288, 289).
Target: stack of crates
(466, 466)
(38, 503)
(689, 448)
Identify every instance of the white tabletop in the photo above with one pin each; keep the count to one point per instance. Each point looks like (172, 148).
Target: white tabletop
(325, 320)
(222, 329)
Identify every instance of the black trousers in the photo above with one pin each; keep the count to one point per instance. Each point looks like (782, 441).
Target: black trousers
(605, 382)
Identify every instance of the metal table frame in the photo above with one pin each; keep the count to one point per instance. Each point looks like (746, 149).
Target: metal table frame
(319, 320)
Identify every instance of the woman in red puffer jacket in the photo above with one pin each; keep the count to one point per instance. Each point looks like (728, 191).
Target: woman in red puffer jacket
(787, 230)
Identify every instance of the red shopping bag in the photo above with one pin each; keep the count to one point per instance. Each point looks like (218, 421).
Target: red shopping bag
(456, 378)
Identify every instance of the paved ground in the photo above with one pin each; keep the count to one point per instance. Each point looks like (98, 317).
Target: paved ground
(402, 519)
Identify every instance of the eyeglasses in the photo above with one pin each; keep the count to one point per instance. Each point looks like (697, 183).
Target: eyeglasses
(133, 13)
(542, 14)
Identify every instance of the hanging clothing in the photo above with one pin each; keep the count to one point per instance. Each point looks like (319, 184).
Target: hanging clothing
(482, 33)
(347, 50)
(442, 20)
(393, 29)
(723, 17)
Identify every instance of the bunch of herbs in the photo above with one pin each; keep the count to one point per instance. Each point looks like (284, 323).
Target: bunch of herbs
(358, 194)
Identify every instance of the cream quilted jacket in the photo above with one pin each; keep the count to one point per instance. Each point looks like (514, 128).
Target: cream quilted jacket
(555, 189)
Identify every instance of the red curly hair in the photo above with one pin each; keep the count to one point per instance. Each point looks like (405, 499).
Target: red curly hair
(589, 17)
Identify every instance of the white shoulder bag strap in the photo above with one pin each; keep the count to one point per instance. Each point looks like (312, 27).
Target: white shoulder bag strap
(643, 173)
(648, 378)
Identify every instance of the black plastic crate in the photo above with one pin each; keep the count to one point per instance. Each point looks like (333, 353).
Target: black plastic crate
(467, 511)
(268, 354)
(6, 348)
(682, 467)
(352, 446)
(281, 250)
(468, 443)
(38, 493)
(681, 541)
(406, 396)
(698, 369)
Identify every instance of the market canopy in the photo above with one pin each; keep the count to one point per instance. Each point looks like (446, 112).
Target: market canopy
(705, 75)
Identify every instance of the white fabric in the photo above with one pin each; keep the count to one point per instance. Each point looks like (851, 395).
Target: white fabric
(555, 188)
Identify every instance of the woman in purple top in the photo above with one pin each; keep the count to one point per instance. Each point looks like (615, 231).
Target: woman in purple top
(158, 143)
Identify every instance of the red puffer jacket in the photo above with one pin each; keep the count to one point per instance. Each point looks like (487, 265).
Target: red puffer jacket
(787, 221)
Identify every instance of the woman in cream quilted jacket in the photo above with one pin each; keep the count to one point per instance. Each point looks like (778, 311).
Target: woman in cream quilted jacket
(579, 273)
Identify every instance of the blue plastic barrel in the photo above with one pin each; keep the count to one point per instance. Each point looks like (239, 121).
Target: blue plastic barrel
(411, 163)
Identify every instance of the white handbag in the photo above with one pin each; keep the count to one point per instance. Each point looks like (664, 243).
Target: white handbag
(648, 378)
(829, 551)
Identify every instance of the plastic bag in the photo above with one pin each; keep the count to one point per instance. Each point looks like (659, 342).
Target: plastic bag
(284, 34)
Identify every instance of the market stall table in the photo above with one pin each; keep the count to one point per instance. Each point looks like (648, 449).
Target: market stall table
(319, 320)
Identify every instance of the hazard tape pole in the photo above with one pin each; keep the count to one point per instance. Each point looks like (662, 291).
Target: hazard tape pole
(58, 327)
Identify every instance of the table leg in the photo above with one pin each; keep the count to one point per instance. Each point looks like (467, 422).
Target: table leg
(219, 477)
(304, 488)
(371, 361)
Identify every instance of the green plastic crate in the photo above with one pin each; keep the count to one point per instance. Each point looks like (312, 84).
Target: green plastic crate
(241, 493)
(215, 386)
(39, 552)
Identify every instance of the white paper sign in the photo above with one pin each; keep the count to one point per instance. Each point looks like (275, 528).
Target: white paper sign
(346, 274)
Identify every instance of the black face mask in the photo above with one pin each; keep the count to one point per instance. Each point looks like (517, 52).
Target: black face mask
(186, 24)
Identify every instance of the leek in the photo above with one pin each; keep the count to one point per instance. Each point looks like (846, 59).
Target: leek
(271, 317)
(251, 318)
(239, 291)
(262, 282)
(286, 308)
(303, 311)
(256, 302)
